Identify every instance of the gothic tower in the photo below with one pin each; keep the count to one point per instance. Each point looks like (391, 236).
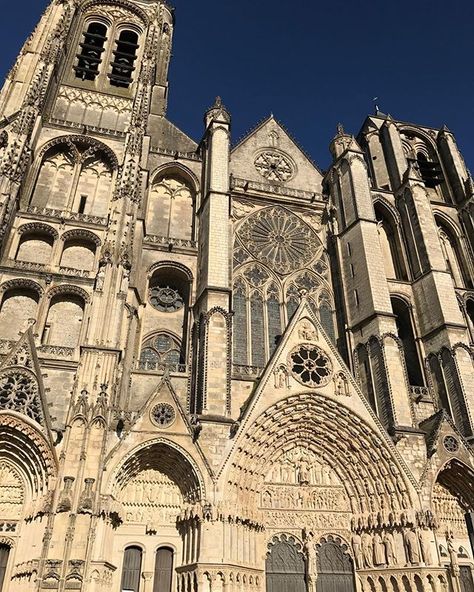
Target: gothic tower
(221, 368)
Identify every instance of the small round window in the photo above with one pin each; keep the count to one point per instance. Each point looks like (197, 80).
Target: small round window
(166, 298)
(451, 444)
(163, 415)
(310, 365)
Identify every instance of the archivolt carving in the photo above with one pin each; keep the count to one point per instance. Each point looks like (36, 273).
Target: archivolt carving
(68, 289)
(21, 283)
(359, 457)
(170, 460)
(79, 233)
(26, 448)
(35, 227)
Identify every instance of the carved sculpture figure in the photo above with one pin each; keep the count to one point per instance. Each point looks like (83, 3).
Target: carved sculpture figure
(367, 550)
(389, 544)
(357, 549)
(412, 547)
(379, 550)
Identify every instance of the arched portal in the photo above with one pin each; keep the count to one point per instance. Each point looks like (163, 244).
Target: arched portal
(285, 565)
(154, 484)
(335, 566)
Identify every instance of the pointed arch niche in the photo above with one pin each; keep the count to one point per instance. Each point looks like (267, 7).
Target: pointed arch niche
(453, 250)
(171, 205)
(74, 176)
(390, 242)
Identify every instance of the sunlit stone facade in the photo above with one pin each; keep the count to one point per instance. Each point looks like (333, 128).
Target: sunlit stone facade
(223, 369)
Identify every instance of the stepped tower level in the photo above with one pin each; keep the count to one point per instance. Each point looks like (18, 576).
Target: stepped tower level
(221, 368)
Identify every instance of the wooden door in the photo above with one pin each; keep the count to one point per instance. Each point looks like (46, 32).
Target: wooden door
(132, 568)
(335, 568)
(163, 579)
(467, 582)
(4, 553)
(285, 566)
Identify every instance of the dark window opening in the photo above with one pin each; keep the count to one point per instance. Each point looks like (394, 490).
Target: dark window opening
(430, 172)
(406, 334)
(82, 204)
(132, 567)
(4, 553)
(124, 58)
(92, 48)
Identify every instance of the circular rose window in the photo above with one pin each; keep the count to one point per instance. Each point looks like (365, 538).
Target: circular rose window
(166, 298)
(310, 365)
(274, 166)
(451, 444)
(163, 415)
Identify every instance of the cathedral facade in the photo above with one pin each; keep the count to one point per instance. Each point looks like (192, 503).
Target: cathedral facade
(221, 368)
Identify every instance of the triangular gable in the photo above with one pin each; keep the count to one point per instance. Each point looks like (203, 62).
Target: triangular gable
(305, 355)
(21, 383)
(148, 420)
(271, 138)
(444, 439)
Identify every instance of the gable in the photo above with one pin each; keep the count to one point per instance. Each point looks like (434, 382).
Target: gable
(269, 155)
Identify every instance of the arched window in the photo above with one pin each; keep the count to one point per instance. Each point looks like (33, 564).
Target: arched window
(170, 212)
(406, 334)
(35, 247)
(285, 566)
(4, 555)
(470, 315)
(335, 568)
(163, 579)
(78, 254)
(17, 307)
(391, 246)
(240, 338)
(161, 351)
(91, 50)
(132, 568)
(168, 296)
(452, 253)
(64, 321)
(430, 170)
(123, 63)
(74, 177)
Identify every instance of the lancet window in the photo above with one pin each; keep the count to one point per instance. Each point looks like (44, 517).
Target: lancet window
(91, 51)
(124, 57)
(263, 307)
(170, 212)
(391, 245)
(452, 253)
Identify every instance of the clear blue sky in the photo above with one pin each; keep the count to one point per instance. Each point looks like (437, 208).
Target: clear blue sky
(312, 64)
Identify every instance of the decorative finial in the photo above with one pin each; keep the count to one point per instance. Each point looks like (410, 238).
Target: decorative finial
(340, 129)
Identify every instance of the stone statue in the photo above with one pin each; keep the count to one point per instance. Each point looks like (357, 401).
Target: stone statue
(453, 556)
(412, 547)
(389, 544)
(379, 550)
(367, 550)
(357, 549)
(425, 547)
(310, 553)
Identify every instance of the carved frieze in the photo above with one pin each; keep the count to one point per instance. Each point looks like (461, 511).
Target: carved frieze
(151, 498)
(12, 492)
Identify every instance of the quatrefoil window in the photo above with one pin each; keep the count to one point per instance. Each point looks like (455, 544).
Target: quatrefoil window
(310, 365)
(163, 415)
(274, 166)
(166, 298)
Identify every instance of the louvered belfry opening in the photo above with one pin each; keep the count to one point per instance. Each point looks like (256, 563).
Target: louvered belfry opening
(123, 63)
(430, 171)
(92, 48)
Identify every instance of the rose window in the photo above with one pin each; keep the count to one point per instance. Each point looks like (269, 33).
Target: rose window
(163, 415)
(274, 166)
(280, 239)
(19, 392)
(451, 444)
(166, 298)
(310, 365)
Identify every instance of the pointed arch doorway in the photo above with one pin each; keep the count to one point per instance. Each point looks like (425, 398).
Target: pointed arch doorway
(335, 567)
(285, 565)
